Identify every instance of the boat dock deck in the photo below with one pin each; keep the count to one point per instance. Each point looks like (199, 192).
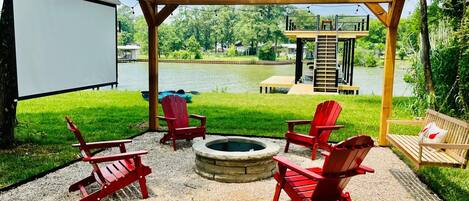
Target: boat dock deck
(270, 83)
(288, 82)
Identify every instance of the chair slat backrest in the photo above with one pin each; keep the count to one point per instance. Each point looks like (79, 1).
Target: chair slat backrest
(458, 132)
(176, 107)
(85, 151)
(326, 114)
(344, 158)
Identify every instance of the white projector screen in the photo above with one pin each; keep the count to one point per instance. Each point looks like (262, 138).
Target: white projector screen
(64, 45)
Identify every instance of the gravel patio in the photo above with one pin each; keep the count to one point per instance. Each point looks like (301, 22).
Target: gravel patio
(173, 178)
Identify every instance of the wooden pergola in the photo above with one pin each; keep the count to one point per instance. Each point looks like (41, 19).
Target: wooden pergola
(389, 17)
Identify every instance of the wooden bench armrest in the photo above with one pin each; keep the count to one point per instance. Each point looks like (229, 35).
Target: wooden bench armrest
(282, 161)
(114, 157)
(407, 122)
(104, 144)
(445, 146)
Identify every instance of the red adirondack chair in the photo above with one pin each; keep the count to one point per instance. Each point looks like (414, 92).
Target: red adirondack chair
(321, 127)
(326, 183)
(120, 169)
(177, 118)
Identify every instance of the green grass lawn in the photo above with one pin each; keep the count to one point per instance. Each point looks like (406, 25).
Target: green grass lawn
(44, 142)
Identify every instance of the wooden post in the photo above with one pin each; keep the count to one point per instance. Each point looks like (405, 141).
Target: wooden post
(352, 62)
(392, 22)
(153, 76)
(299, 60)
(388, 83)
(150, 12)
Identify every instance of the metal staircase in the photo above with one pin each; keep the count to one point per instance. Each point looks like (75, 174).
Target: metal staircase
(325, 71)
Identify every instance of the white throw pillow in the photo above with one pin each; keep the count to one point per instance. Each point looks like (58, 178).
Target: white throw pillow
(431, 133)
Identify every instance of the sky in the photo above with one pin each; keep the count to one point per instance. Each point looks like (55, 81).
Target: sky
(320, 9)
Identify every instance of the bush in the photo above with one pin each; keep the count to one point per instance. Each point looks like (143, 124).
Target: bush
(402, 53)
(371, 60)
(181, 54)
(198, 55)
(266, 52)
(365, 58)
(231, 52)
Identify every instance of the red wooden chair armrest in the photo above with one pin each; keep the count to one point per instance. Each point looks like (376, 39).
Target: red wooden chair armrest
(167, 119)
(298, 121)
(365, 169)
(300, 134)
(334, 127)
(104, 144)
(325, 153)
(202, 119)
(292, 123)
(298, 169)
(114, 157)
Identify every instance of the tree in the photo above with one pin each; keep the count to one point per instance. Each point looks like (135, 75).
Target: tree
(141, 34)
(126, 23)
(425, 51)
(168, 40)
(194, 47)
(8, 81)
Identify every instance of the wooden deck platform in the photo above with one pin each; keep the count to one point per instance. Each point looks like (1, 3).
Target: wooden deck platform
(270, 83)
(288, 82)
(301, 89)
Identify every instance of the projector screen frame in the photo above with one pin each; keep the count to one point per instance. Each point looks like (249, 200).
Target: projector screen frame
(83, 87)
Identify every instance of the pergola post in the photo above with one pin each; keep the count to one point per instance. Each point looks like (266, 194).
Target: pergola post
(150, 12)
(153, 77)
(388, 83)
(153, 19)
(392, 22)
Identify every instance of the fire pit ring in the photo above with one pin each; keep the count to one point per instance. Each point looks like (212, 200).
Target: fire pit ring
(235, 159)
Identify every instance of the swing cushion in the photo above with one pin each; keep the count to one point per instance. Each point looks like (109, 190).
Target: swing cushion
(431, 133)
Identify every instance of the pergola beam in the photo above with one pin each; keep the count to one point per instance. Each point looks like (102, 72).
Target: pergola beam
(262, 2)
(164, 13)
(394, 14)
(379, 12)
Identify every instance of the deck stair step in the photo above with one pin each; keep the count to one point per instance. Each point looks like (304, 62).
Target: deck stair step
(326, 63)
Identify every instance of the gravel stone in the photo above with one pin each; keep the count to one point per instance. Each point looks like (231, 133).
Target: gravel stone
(174, 178)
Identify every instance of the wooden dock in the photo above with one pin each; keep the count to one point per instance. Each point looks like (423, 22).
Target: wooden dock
(301, 89)
(288, 82)
(270, 83)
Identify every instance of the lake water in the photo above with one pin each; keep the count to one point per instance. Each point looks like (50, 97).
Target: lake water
(238, 78)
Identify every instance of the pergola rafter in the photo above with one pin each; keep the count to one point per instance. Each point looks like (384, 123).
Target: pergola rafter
(378, 11)
(389, 18)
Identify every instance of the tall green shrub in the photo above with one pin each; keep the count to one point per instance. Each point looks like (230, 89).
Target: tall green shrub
(266, 52)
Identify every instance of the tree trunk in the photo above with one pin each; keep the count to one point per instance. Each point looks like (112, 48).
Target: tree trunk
(8, 82)
(425, 52)
(222, 48)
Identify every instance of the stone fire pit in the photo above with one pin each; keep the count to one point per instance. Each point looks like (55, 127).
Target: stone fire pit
(235, 159)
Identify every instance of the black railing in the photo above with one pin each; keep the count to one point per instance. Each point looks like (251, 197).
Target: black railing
(331, 23)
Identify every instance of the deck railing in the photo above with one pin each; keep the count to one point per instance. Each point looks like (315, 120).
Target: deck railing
(329, 23)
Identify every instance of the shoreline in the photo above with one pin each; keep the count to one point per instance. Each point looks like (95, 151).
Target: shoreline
(288, 62)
